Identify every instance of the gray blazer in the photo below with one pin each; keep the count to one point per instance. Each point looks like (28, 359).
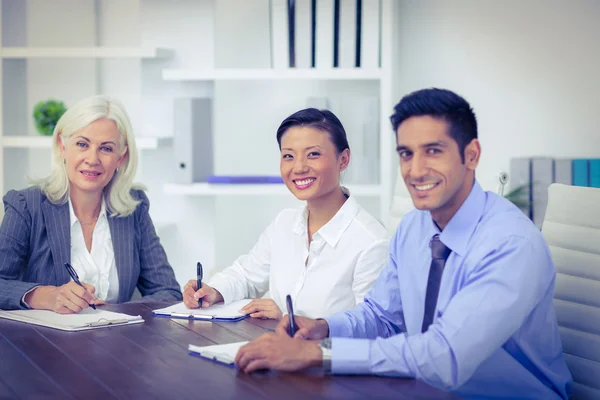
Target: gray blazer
(35, 242)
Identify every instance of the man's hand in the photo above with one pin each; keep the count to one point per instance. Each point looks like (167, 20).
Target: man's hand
(262, 308)
(306, 328)
(278, 352)
(69, 298)
(191, 294)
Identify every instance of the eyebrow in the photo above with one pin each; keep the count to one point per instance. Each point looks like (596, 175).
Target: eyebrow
(307, 148)
(437, 143)
(88, 140)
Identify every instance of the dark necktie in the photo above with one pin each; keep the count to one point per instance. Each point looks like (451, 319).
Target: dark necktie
(439, 255)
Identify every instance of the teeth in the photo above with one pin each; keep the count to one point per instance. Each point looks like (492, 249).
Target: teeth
(425, 187)
(90, 173)
(305, 181)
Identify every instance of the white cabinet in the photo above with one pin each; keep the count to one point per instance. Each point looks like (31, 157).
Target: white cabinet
(150, 52)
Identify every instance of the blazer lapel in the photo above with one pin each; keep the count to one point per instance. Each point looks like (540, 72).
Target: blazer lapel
(122, 246)
(57, 219)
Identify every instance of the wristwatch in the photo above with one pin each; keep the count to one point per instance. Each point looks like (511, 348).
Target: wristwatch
(326, 354)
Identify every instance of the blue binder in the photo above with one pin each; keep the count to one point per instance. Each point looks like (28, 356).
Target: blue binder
(581, 173)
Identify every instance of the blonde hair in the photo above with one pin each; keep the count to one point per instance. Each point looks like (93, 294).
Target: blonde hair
(117, 193)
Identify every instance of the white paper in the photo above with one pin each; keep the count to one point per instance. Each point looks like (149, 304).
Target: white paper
(229, 311)
(86, 319)
(224, 353)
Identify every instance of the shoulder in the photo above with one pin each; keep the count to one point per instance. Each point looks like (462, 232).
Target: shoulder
(29, 198)
(288, 217)
(368, 224)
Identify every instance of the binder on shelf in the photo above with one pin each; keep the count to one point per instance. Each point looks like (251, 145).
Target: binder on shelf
(243, 179)
(192, 139)
(336, 33)
(291, 16)
(303, 34)
(358, 41)
(347, 34)
(221, 353)
(216, 313)
(520, 176)
(85, 320)
(324, 38)
(581, 173)
(542, 173)
(369, 34)
(594, 168)
(563, 171)
(279, 34)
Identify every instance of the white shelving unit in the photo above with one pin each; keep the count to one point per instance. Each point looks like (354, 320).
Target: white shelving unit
(83, 52)
(45, 142)
(235, 74)
(207, 189)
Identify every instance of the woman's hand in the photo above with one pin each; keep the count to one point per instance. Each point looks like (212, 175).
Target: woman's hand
(262, 308)
(69, 298)
(191, 294)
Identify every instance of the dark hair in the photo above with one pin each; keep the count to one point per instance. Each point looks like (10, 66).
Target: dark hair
(443, 104)
(323, 120)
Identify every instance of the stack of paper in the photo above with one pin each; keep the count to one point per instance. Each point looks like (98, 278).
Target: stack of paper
(219, 312)
(223, 353)
(86, 319)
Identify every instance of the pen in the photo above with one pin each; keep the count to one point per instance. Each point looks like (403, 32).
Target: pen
(199, 280)
(290, 309)
(73, 274)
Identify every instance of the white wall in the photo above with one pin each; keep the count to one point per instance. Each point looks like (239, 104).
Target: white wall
(529, 69)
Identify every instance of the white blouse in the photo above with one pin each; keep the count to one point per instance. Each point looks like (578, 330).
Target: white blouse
(331, 274)
(98, 267)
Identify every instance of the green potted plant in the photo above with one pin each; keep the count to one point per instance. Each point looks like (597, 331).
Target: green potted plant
(46, 114)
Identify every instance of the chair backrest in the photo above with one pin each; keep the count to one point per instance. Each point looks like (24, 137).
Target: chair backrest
(572, 229)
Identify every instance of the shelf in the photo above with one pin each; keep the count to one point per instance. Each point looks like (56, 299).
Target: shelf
(83, 52)
(45, 142)
(270, 74)
(207, 189)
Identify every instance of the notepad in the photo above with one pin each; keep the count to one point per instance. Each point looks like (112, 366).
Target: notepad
(218, 313)
(84, 320)
(223, 353)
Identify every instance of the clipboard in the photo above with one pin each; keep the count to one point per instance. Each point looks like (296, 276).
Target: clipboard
(214, 313)
(85, 320)
(220, 353)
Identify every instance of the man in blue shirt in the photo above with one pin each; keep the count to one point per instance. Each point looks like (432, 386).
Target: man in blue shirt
(465, 303)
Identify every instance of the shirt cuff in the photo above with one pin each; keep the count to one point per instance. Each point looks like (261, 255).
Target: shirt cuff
(223, 287)
(350, 356)
(23, 298)
(338, 325)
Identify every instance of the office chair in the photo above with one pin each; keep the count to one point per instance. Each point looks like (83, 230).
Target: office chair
(572, 229)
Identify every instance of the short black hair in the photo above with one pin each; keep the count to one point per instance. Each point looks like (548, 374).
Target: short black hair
(323, 120)
(443, 104)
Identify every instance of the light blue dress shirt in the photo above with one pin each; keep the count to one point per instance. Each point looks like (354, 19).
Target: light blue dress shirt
(494, 332)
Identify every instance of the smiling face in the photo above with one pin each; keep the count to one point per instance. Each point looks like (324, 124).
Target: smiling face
(92, 155)
(310, 165)
(432, 168)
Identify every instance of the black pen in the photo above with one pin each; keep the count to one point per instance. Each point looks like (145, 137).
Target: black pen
(290, 309)
(199, 280)
(75, 277)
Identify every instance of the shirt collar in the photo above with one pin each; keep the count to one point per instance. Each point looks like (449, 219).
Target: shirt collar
(73, 217)
(460, 228)
(332, 231)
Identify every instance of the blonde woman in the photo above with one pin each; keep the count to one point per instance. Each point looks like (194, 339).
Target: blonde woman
(87, 213)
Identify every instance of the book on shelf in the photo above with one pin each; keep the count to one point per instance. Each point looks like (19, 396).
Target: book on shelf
(303, 34)
(244, 179)
(324, 37)
(369, 34)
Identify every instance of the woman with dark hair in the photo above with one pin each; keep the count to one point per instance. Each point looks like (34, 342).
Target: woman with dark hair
(327, 254)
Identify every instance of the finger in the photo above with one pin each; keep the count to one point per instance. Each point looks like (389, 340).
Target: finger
(71, 304)
(192, 283)
(99, 302)
(255, 365)
(284, 326)
(80, 292)
(302, 333)
(259, 314)
(89, 288)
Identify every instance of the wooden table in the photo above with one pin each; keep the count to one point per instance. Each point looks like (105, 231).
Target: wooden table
(151, 361)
